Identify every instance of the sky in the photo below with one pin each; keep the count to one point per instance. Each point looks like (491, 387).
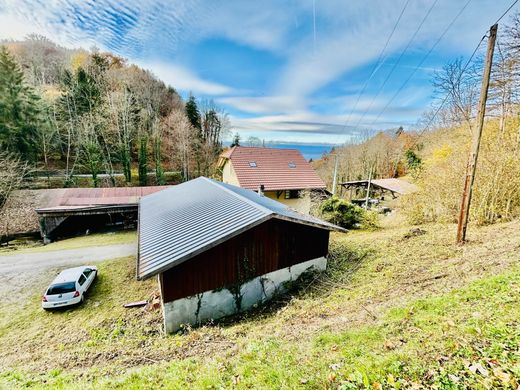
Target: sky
(313, 71)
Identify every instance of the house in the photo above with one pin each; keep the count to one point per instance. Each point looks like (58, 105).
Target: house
(281, 174)
(218, 249)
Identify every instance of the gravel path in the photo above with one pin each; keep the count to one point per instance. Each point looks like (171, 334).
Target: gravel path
(20, 274)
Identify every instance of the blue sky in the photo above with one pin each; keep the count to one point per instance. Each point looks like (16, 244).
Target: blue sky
(284, 70)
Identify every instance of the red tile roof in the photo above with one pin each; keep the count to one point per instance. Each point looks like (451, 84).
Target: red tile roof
(276, 169)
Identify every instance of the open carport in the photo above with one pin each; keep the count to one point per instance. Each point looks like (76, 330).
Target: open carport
(75, 210)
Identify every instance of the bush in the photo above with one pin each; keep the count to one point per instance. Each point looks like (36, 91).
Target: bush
(347, 215)
(369, 220)
(496, 191)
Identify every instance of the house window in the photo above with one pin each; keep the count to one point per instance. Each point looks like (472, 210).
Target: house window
(292, 194)
(292, 164)
(252, 164)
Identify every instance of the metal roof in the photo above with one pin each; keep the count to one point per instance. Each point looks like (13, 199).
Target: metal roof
(67, 199)
(275, 169)
(190, 218)
(398, 186)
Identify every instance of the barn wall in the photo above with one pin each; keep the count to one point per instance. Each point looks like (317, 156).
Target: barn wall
(268, 247)
(211, 305)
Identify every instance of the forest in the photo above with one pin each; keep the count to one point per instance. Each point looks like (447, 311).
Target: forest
(436, 155)
(65, 113)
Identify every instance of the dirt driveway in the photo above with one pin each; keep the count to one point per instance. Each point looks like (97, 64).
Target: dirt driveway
(21, 274)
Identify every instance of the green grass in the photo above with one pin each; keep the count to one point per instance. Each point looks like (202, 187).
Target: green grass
(96, 239)
(391, 312)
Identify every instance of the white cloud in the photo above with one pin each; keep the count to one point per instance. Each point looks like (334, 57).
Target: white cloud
(185, 80)
(349, 35)
(265, 104)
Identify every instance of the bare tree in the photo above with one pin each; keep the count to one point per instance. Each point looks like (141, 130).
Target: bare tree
(461, 89)
(14, 171)
(179, 141)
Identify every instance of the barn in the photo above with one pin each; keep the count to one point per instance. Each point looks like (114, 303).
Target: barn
(68, 211)
(218, 249)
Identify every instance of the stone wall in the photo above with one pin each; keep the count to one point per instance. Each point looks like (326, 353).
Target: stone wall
(211, 305)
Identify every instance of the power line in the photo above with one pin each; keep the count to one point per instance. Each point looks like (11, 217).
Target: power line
(460, 76)
(378, 63)
(403, 52)
(425, 57)
(506, 11)
(465, 67)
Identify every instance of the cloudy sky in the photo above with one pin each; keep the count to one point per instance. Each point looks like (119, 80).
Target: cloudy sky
(293, 70)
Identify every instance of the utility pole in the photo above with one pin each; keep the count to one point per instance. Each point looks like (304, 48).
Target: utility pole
(334, 179)
(368, 188)
(475, 146)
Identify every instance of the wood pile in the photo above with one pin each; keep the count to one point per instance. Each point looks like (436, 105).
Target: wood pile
(18, 215)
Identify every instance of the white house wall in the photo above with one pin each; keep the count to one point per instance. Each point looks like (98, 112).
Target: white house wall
(201, 308)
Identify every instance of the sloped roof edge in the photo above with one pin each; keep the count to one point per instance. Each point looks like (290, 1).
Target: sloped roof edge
(197, 239)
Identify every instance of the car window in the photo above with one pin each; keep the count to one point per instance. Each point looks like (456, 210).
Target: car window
(82, 279)
(61, 288)
(87, 272)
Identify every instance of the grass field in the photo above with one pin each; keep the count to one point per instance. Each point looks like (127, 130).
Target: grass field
(96, 239)
(393, 311)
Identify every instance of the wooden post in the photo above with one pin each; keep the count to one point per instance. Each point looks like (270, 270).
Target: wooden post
(368, 188)
(334, 179)
(475, 146)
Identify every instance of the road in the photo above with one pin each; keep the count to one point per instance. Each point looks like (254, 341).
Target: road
(21, 273)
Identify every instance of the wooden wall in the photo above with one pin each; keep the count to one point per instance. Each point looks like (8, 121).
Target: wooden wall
(273, 245)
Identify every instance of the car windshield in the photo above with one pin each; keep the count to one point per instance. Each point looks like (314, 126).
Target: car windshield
(61, 288)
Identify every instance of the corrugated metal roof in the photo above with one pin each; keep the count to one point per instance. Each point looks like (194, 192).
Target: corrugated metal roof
(275, 169)
(72, 198)
(185, 220)
(398, 186)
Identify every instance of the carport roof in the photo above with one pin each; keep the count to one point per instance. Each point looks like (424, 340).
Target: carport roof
(70, 199)
(179, 223)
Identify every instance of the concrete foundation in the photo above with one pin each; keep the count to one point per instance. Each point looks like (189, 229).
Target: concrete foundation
(212, 305)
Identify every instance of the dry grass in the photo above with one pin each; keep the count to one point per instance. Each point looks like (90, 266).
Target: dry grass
(96, 239)
(285, 344)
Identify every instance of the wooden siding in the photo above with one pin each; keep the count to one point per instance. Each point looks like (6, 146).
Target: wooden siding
(273, 245)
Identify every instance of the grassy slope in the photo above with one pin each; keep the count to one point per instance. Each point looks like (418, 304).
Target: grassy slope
(97, 239)
(392, 311)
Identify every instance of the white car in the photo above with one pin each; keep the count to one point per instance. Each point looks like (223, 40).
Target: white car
(69, 287)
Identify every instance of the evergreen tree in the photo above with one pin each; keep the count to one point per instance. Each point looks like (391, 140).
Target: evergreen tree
(193, 113)
(236, 140)
(20, 114)
(143, 161)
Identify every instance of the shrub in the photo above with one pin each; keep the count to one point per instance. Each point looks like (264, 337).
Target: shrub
(347, 215)
(369, 220)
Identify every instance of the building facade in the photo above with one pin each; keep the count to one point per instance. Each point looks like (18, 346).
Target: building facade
(281, 174)
(218, 249)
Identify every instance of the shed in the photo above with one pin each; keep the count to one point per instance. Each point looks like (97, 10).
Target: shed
(69, 210)
(219, 249)
(391, 185)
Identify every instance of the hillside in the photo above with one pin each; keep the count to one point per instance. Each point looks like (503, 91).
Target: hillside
(395, 309)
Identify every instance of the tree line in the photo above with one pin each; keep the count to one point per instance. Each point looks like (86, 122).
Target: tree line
(91, 112)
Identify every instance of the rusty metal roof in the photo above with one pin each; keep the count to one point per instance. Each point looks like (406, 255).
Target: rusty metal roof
(275, 169)
(397, 186)
(75, 198)
(183, 221)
